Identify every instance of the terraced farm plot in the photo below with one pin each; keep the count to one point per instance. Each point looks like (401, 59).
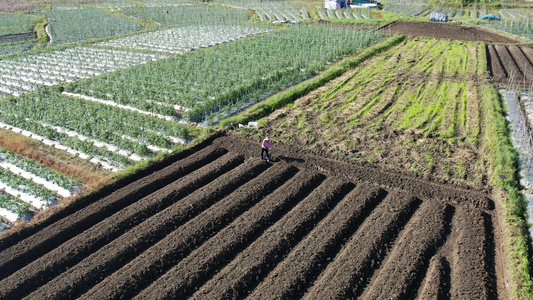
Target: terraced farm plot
(13, 25)
(511, 64)
(171, 13)
(416, 107)
(221, 80)
(25, 73)
(447, 31)
(185, 38)
(68, 23)
(348, 13)
(221, 223)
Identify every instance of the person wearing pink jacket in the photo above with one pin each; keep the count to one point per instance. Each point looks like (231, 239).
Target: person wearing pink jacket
(266, 146)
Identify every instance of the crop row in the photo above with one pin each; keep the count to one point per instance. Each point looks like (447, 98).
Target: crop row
(77, 23)
(17, 23)
(410, 88)
(31, 166)
(408, 7)
(19, 47)
(12, 208)
(437, 108)
(25, 189)
(450, 10)
(348, 13)
(519, 27)
(260, 4)
(107, 159)
(189, 14)
(30, 184)
(115, 6)
(184, 38)
(231, 74)
(88, 126)
(521, 14)
(273, 16)
(270, 11)
(24, 73)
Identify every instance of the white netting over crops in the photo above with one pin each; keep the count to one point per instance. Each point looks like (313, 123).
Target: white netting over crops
(22, 74)
(181, 39)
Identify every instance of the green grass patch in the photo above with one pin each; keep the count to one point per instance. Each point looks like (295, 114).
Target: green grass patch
(503, 158)
(287, 96)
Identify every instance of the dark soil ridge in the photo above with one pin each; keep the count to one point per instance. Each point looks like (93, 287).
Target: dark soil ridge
(253, 263)
(298, 271)
(12, 237)
(422, 239)
(357, 173)
(349, 273)
(71, 252)
(296, 226)
(50, 237)
(122, 250)
(447, 31)
(437, 284)
(511, 64)
(204, 261)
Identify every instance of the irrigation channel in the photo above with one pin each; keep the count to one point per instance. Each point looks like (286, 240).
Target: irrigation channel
(520, 117)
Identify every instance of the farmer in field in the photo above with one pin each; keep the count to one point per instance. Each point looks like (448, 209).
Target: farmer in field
(266, 147)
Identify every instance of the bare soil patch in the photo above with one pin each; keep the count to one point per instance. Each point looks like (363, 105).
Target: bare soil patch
(447, 31)
(511, 64)
(302, 226)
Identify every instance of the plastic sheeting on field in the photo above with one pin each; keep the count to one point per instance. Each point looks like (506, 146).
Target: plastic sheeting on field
(490, 17)
(438, 17)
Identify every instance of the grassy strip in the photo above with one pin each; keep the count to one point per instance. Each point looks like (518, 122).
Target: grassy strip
(504, 160)
(42, 36)
(287, 96)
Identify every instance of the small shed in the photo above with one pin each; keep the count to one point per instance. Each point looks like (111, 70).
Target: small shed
(335, 4)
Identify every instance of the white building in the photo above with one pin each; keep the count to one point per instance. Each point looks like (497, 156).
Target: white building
(334, 4)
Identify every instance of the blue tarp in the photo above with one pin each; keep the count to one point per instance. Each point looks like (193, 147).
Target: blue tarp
(490, 17)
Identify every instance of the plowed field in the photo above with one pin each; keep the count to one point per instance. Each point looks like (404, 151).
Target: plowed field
(222, 224)
(447, 31)
(511, 64)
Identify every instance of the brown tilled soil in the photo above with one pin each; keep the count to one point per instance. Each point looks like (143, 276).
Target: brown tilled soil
(447, 31)
(511, 64)
(221, 223)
